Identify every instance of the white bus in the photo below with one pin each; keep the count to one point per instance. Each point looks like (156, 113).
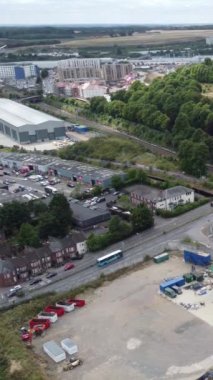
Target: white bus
(110, 258)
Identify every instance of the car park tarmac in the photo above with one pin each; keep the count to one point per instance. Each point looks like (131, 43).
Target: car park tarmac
(129, 331)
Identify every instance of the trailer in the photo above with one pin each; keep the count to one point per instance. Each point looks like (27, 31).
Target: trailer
(197, 258)
(161, 258)
(54, 351)
(69, 346)
(178, 281)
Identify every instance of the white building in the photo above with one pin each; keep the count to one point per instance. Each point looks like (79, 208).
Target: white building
(90, 89)
(176, 196)
(79, 69)
(27, 125)
(164, 200)
(18, 71)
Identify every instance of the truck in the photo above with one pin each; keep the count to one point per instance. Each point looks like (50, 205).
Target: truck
(197, 258)
(50, 190)
(177, 281)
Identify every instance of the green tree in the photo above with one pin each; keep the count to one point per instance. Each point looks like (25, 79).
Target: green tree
(117, 182)
(28, 236)
(116, 108)
(193, 157)
(142, 218)
(60, 209)
(118, 229)
(47, 225)
(13, 215)
(136, 175)
(98, 104)
(97, 190)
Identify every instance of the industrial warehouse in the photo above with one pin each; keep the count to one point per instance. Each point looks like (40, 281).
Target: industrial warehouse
(26, 125)
(71, 170)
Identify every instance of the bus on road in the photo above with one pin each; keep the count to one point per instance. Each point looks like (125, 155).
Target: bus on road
(110, 258)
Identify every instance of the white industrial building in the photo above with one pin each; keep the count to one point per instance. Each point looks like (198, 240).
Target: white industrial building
(26, 125)
(90, 89)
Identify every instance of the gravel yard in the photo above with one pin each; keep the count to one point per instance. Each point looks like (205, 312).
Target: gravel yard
(129, 331)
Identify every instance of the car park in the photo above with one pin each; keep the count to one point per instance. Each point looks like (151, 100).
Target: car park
(69, 266)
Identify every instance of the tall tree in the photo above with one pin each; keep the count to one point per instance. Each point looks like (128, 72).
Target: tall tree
(142, 218)
(13, 215)
(60, 209)
(28, 236)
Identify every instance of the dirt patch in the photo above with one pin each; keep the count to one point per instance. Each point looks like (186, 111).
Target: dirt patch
(15, 366)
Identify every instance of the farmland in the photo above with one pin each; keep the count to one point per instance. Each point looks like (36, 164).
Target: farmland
(149, 38)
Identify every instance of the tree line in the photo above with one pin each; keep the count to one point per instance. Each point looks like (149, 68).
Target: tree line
(173, 108)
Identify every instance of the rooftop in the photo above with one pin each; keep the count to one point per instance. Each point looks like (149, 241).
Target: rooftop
(18, 115)
(158, 195)
(82, 213)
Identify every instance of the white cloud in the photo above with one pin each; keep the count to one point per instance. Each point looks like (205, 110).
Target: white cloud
(105, 11)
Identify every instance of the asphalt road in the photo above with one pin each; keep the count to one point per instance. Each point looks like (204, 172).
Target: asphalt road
(150, 243)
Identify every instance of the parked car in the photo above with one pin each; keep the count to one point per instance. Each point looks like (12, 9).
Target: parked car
(51, 274)
(15, 288)
(77, 257)
(35, 281)
(76, 302)
(66, 306)
(101, 199)
(69, 266)
(56, 309)
(36, 321)
(69, 184)
(53, 317)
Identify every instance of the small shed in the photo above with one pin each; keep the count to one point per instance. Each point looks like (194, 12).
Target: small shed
(54, 351)
(69, 346)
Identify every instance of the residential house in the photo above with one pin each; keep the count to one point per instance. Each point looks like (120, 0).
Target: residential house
(64, 249)
(7, 273)
(166, 200)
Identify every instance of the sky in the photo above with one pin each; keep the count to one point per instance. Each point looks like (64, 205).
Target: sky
(49, 12)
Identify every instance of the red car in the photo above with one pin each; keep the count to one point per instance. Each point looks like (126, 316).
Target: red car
(77, 303)
(69, 266)
(56, 309)
(35, 321)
